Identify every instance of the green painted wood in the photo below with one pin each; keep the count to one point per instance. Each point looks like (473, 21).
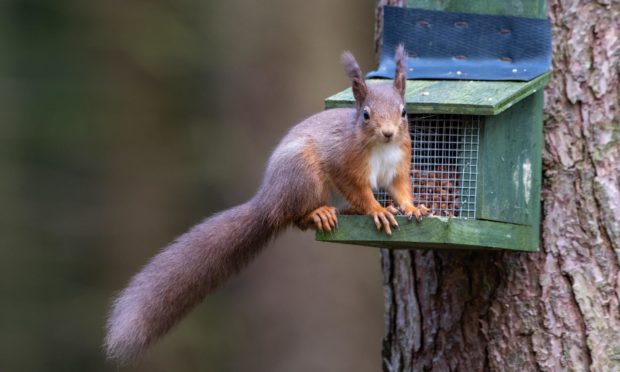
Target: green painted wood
(510, 164)
(510, 161)
(433, 232)
(523, 8)
(455, 96)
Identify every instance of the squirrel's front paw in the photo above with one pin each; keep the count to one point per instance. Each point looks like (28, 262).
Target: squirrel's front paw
(418, 212)
(383, 219)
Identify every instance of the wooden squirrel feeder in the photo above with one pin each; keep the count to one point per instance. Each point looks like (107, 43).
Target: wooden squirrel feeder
(475, 123)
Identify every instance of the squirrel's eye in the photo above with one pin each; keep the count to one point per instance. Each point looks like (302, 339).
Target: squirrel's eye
(366, 114)
(403, 113)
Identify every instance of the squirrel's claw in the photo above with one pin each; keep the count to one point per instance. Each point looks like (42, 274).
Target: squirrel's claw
(425, 211)
(392, 209)
(383, 219)
(317, 222)
(324, 218)
(418, 212)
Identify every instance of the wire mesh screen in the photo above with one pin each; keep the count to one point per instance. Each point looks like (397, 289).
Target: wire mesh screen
(444, 163)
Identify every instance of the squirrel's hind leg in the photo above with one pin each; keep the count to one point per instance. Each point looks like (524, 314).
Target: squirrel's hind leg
(323, 218)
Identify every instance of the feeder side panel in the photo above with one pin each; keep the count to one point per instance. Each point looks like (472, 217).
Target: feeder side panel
(510, 164)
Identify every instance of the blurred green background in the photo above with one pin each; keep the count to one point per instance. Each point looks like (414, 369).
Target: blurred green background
(122, 123)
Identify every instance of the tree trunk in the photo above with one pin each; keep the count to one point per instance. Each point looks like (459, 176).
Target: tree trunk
(558, 309)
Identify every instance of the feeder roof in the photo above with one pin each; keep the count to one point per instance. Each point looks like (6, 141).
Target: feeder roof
(473, 97)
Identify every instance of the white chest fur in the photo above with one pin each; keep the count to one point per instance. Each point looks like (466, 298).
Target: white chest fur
(384, 160)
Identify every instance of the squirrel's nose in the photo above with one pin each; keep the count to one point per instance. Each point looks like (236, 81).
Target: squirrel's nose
(387, 133)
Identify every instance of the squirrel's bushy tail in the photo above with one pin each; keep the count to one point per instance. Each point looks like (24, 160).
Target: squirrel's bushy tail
(181, 275)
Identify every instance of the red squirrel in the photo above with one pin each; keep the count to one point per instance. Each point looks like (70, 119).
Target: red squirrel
(351, 150)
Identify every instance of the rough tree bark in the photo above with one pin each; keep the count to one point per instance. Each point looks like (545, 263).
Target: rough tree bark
(558, 309)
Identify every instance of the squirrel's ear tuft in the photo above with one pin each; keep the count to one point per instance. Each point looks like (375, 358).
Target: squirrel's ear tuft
(400, 78)
(360, 90)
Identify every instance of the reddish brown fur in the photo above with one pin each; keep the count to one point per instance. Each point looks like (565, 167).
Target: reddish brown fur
(359, 88)
(327, 150)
